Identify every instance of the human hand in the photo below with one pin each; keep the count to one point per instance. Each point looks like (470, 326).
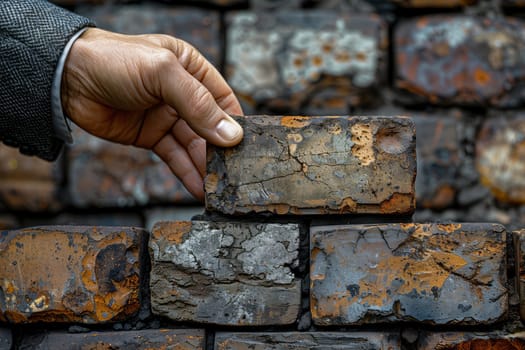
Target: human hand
(151, 91)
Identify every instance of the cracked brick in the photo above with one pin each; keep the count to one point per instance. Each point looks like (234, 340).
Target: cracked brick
(308, 340)
(470, 341)
(225, 273)
(460, 60)
(315, 165)
(429, 273)
(157, 339)
(70, 274)
(297, 61)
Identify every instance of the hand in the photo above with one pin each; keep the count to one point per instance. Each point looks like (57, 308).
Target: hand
(151, 91)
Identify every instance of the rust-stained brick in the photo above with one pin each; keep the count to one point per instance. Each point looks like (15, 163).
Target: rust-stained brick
(28, 183)
(439, 159)
(225, 273)
(316, 62)
(197, 26)
(308, 340)
(470, 341)
(152, 339)
(315, 165)
(461, 60)
(519, 252)
(430, 273)
(105, 174)
(70, 274)
(500, 154)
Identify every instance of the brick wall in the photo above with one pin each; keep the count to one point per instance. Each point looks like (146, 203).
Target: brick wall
(316, 233)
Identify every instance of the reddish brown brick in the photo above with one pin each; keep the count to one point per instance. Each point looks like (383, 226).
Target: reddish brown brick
(104, 174)
(28, 183)
(225, 273)
(153, 339)
(500, 151)
(429, 273)
(460, 60)
(470, 341)
(308, 340)
(315, 165)
(314, 62)
(70, 274)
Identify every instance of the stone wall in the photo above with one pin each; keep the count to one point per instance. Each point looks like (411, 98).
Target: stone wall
(316, 234)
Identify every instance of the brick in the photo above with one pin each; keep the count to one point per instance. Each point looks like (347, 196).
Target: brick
(308, 340)
(470, 341)
(296, 61)
(6, 339)
(28, 183)
(499, 157)
(315, 165)
(104, 174)
(460, 60)
(428, 273)
(180, 339)
(519, 252)
(439, 158)
(70, 274)
(179, 213)
(225, 273)
(433, 3)
(197, 26)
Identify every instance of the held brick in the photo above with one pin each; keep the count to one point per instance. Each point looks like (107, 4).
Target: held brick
(105, 174)
(70, 274)
(519, 251)
(461, 60)
(470, 341)
(315, 165)
(317, 340)
(28, 183)
(6, 339)
(180, 339)
(429, 273)
(225, 273)
(295, 61)
(499, 157)
(196, 26)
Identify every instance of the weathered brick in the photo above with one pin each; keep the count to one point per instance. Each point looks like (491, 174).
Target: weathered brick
(470, 341)
(430, 273)
(6, 339)
(197, 26)
(317, 340)
(461, 60)
(179, 339)
(499, 157)
(519, 260)
(318, 62)
(225, 273)
(28, 183)
(104, 174)
(174, 213)
(70, 274)
(433, 3)
(439, 159)
(315, 165)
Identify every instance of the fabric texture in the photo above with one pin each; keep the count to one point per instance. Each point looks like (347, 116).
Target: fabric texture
(33, 34)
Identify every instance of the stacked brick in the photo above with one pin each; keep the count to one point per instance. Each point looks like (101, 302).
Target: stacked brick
(307, 241)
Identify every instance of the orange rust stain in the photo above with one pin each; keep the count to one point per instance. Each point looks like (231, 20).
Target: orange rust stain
(443, 197)
(398, 203)
(361, 56)
(173, 231)
(211, 182)
(489, 344)
(327, 48)
(449, 228)
(295, 121)
(317, 61)
(348, 205)
(316, 202)
(363, 139)
(298, 62)
(481, 76)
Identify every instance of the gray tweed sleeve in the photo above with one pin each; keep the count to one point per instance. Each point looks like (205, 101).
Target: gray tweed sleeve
(33, 34)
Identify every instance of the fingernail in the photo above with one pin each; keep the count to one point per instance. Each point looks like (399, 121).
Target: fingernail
(228, 129)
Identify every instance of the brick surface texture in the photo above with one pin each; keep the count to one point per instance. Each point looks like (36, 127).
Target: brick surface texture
(225, 273)
(470, 341)
(461, 60)
(430, 273)
(154, 339)
(312, 165)
(305, 62)
(300, 341)
(69, 274)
